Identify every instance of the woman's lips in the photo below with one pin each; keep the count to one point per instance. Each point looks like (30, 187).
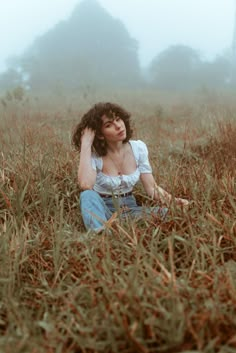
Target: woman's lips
(121, 133)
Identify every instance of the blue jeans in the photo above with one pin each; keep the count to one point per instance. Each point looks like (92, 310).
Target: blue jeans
(96, 210)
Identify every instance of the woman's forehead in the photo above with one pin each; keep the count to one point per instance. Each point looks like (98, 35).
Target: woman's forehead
(108, 117)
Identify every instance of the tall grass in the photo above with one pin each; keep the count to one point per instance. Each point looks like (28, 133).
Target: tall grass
(148, 287)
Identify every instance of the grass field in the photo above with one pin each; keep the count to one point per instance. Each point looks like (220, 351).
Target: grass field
(150, 287)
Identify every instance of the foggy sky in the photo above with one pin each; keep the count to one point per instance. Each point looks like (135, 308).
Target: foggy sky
(205, 25)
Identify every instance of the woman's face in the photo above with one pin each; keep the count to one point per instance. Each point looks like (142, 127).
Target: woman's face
(113, 129)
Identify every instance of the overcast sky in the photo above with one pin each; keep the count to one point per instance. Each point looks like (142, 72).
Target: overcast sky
(205, 25)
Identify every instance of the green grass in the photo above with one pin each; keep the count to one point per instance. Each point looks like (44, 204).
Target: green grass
(147, 287)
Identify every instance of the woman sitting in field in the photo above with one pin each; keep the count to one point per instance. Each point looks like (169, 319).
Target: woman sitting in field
(110, 166)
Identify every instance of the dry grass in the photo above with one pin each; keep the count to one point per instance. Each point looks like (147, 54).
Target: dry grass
(151, 286)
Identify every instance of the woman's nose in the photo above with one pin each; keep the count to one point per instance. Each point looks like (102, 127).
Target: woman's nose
(117, 124)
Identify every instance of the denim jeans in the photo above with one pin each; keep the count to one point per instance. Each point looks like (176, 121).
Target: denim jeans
(96, 210)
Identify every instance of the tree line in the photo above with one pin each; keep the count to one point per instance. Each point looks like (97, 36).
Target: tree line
(93, 48)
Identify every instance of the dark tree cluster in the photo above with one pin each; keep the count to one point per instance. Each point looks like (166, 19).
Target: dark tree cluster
(90, 48)
(180, 67)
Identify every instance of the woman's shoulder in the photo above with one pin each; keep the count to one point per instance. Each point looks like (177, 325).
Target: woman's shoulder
(139, 149)
(141, 155)
(138, 145)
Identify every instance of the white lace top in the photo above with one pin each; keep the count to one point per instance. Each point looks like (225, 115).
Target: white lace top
(121, 184)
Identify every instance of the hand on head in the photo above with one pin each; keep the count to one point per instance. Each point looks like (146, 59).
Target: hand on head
(87, 136)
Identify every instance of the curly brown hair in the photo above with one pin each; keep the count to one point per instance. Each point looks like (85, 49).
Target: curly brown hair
(93, 119)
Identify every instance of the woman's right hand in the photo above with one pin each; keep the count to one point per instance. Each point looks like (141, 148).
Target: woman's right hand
(87, 137)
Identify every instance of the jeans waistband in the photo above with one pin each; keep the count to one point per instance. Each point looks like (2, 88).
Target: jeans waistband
(116, 196)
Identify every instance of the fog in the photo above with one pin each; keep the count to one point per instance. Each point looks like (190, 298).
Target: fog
(199, 31)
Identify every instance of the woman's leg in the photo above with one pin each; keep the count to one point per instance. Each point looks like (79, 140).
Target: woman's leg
(131, 209)
(93, 210)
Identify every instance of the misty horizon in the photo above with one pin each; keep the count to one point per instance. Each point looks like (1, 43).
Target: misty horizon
(150, 40)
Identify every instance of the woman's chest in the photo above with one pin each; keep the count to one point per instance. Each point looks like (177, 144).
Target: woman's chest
(124, 164)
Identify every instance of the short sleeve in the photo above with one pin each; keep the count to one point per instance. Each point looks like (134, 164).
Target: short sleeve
(96, 162)
(143, 161)
(93, 162)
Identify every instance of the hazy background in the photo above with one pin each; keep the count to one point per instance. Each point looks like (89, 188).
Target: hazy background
(204, 26)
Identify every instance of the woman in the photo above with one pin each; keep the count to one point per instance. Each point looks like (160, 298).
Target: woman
(110, 165)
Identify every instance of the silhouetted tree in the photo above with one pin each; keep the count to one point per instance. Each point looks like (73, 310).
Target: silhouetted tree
(90, 48)
(175, 68)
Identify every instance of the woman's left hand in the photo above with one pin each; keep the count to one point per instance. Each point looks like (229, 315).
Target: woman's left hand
(182, 202)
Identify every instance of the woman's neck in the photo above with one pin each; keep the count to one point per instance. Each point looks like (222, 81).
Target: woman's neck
(115, 148)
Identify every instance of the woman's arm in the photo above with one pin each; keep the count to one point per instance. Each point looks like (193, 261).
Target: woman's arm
(153, 190)
(86, 174)
(157, 193)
